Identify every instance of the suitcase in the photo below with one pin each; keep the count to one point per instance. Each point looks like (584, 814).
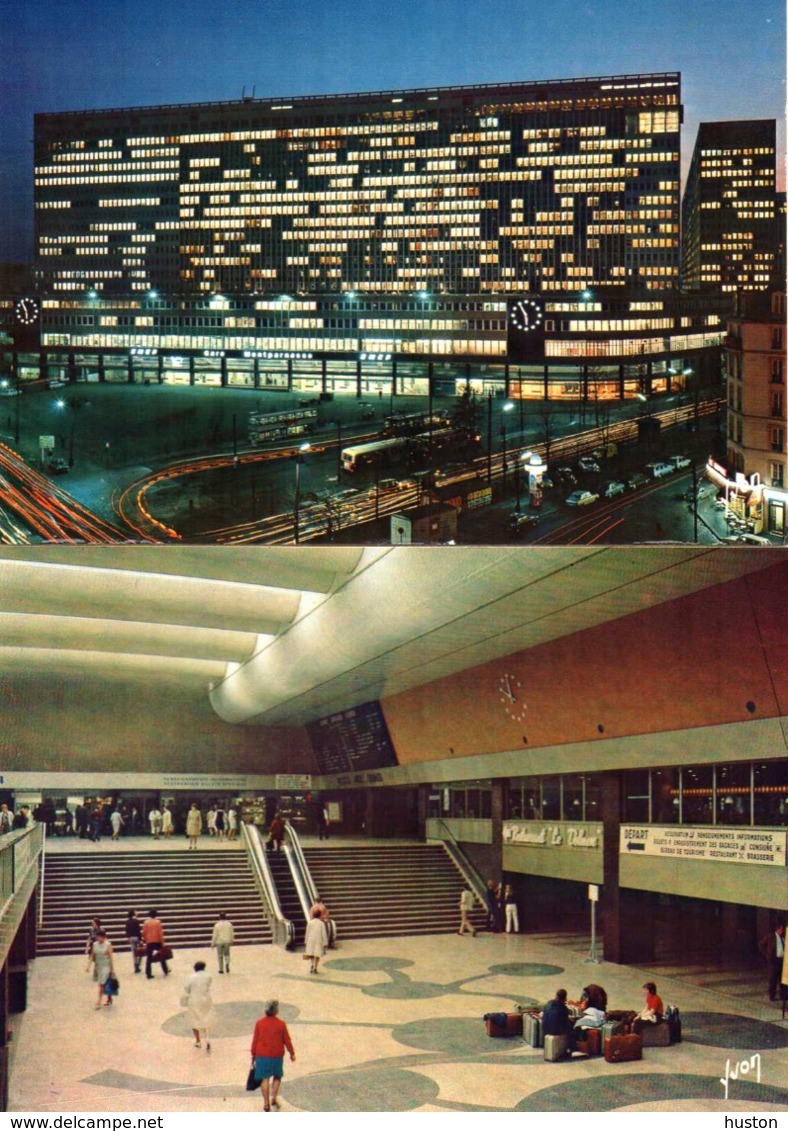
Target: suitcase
(556, 1047)
(674, 1024)
(532, 1030)
(626, 1047)
(613, 1029)
(512, 1028)
(655, 1035)
(627, 1016)
(592, 1044)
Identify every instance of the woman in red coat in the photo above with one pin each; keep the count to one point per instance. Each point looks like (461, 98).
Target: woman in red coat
(269, 1042)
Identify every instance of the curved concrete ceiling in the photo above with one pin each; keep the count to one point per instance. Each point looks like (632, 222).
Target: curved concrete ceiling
(288, 635)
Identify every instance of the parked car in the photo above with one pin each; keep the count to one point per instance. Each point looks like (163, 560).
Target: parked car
(581, 498)
(614, 487)
(519, 523)
(58, 466)
(396, 484)
(585, 463)
(657, 470)
(564, 475)
(637, 479)
(55, 383)
(679, 462)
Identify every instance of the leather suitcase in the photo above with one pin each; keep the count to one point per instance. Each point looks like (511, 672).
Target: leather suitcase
(532, 1030)
(613, 1029)
(555, 1047)
(627, 1016)
(626, 1047)
(592, 1045)
(512, 1028)
(654, 1035)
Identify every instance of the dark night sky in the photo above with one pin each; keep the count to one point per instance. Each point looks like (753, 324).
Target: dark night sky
(82, 54)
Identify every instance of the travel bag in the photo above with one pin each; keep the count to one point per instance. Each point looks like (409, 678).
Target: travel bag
(532, 1030)
(589, 1041)
(613, 1029)
(628, 1046)
(556, 1047)
(673, 1019)
(510, 1026)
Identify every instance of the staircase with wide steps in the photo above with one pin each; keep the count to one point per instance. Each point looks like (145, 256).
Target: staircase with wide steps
(188, 889)
(392, 889)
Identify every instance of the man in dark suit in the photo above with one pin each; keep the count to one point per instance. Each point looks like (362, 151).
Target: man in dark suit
(772, 947)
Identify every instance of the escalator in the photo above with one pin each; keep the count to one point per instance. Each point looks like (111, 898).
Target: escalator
(287, 893)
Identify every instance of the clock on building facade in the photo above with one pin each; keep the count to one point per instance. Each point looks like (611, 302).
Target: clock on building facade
(525, 326)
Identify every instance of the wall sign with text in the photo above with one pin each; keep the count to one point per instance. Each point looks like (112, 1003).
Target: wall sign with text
(728, 846)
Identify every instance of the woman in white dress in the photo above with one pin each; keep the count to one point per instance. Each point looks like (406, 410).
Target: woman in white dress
(166, 821)
(315, 941)
(200, 1014)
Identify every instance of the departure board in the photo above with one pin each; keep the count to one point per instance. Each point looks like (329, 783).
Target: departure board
(356, 739)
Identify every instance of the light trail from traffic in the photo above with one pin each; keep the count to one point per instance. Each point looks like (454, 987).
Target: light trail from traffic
(279, 529)
(46, 509)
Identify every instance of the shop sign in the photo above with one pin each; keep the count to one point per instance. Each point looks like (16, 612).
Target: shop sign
(293, 781)
(564, 834)
(732, 846)
(204, 781)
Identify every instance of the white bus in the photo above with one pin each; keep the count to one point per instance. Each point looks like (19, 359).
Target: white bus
(367, 455)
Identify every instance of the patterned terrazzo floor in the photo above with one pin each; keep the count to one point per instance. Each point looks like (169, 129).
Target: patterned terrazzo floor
(387, 1025)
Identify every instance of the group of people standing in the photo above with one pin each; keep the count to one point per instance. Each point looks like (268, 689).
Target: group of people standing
(500, 905)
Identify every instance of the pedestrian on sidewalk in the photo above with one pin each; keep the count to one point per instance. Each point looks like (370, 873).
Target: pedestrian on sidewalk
(269, 1041)
(166, 822)
(315, 941)
(193, 825)
(117, 824)
(223, 938)
(466, 906)
(196, 997)
(133, 929)
(510, 907)
(155, 822)
(103, 967)
(153, 937)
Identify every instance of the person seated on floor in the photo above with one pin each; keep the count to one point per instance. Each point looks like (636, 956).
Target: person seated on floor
(592, 1016)
(654, 1011)
(555, 1016)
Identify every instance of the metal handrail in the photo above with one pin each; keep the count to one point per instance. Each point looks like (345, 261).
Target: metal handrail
(471, 876)
(303, 879)
(282, 929)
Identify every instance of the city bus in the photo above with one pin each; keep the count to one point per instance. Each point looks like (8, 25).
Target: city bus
(279, 425)
(412, 423)
(399, 448)
(374, 452)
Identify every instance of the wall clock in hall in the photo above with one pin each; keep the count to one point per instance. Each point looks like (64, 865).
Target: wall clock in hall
(510, 690)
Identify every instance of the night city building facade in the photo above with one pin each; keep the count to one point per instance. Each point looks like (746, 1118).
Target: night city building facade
(371, 242)
(730, 209)
(756, 478)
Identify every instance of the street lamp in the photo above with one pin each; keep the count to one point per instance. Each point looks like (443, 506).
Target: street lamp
(6, 384)
(489, 435)
(506, 408)
(75, 405)
(299, 459)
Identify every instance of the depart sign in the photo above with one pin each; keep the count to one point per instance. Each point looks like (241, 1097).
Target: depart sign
(730, 846)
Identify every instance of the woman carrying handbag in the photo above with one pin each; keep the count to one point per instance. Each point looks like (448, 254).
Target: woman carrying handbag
(103, 968)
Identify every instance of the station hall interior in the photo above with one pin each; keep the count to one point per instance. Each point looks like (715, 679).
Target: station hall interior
(541, 711)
